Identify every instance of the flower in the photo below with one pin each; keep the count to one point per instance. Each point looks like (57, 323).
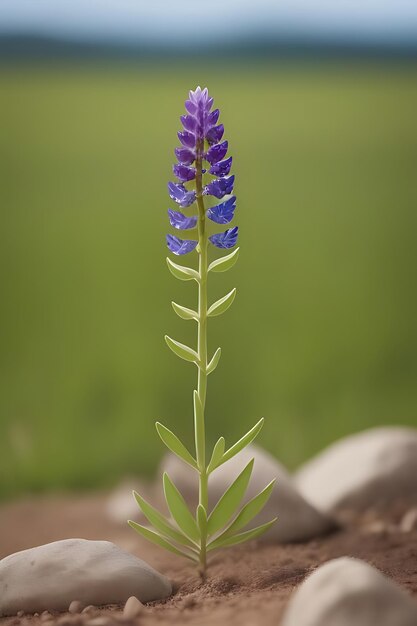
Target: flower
(202, 150)
(181, 221)
(222, 213)
(180, 246)
(227, 239)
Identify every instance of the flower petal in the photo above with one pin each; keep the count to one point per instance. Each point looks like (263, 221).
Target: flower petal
(220, 187)
(180, 194)
(227, 239)
(222, 168)
(217, 153)
(223, 213)
(180, 246)
(187, 139)
(212, 118)
(185, 156)
(189, 122)
(181, 221)
(183, 172)
(215, 134)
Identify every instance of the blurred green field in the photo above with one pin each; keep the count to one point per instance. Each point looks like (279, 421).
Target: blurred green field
(322, 338)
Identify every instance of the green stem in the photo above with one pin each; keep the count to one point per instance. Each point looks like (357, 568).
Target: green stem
(202, 347)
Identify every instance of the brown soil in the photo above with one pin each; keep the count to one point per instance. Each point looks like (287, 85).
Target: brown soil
(248, 585)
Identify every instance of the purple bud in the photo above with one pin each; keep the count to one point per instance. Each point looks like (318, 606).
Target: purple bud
(183, 172)
(212, 118)
(223, 213)
(181, 196)
(217, 153)
(185, 156)
(191, 107)
(227, 239)
(222, 168)
(180, 246)
(215, 134)
(187, 139)
(220, 187)
(180, 221)
(189, 122)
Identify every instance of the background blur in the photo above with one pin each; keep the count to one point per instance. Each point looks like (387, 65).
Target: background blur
(319, 102)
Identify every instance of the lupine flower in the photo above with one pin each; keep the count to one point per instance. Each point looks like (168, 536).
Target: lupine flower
(180, 246)
(222, 213)
(201, 128)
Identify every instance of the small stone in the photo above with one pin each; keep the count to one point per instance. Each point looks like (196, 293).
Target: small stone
(89, 609)
(20, 613)
(75, 607)
(45, 616)
(349, 592)
(133, 608)
(92, 572)
(409, 521)
(36, 615)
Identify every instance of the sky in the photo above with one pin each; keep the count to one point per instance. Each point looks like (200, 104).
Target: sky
(192, 20)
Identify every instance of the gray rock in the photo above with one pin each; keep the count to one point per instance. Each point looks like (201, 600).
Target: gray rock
(349, 592)
(297, 519)
(374, 467)
(132, 608)
(49, 577)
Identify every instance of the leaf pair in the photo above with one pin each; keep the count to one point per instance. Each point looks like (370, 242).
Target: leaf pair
(219, 456)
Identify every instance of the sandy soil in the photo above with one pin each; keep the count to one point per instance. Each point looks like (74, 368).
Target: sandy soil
(248, 585)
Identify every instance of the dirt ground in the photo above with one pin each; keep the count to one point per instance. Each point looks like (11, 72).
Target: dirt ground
(248, 585)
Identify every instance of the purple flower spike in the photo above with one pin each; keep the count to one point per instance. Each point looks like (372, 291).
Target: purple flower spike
(220, 187)
(181, 221)
(180, 246)
(185, 156)
(181, 196)
(222, 168)
(183, 172)
(187, 139)
(223, 213)
(217, 153)
(227, 239)
(215, 134)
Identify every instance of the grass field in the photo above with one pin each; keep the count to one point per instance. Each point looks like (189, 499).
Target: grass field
(322, 338)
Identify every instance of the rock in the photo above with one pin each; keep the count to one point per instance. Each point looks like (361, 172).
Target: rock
(349, 592)
(132, 608)
(19, 613)
(89, 609)
(409, 521)
(76, 606)
(49, 577)
(374, 467)
(297, 519)
(121, 505)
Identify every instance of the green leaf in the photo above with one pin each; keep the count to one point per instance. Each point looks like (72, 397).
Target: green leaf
(216, 456)
(181, 272)
(181, 350)
(223, 542)
(160, 522)
(202, 520)
(225, 263)
(214, 361)
(154, 537)
(250, 510)
(184, 313)
(179, 510)
(244, 441)
(229, 501)
(222, 305)
(175, 445)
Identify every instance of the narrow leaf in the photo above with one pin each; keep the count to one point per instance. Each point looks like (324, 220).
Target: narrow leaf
(216, 456)
(181, 350)
(184, 313)
(202, 520)
(214, 361)
(179, 510)
(154, 537)
(175, 445)
(181, 272)
(244, 441)
(225, 263)
(160, 522)
(250, 510)
(223, 542)
(229, 501)
(222, 305)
